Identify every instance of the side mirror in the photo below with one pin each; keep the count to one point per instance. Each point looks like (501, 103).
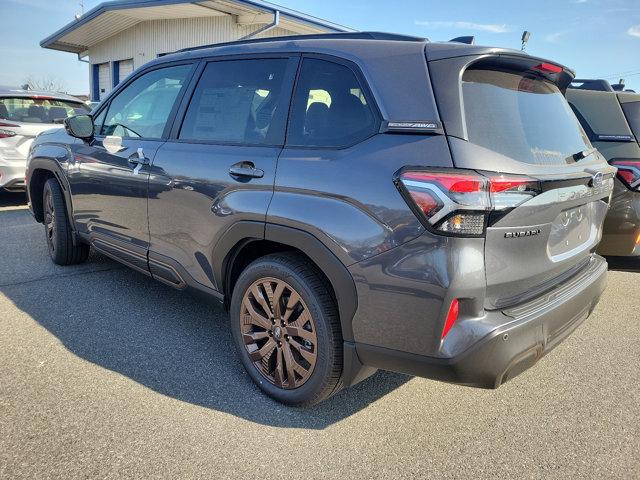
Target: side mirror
(79, 126)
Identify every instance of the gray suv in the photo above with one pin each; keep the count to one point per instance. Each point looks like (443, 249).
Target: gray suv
(356, 201)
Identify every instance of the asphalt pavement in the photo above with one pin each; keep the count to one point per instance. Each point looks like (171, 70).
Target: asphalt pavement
(106, 374)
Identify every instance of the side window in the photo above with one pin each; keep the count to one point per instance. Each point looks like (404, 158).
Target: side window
(329, 107)
(238, 101)
(142, 109)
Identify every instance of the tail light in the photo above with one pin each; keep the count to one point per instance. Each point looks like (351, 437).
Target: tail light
(628, 172)
(548, 68)
(459, 202)
(6, 133)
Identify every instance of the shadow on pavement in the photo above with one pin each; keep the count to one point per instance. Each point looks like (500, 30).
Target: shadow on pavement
(11, 199)
(624, 264)
(173, 342)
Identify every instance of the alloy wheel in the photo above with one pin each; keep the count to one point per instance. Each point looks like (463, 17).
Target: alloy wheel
(50, 220)
(278, 332)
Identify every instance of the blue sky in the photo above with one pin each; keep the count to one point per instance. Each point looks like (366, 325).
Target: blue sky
(597, 38)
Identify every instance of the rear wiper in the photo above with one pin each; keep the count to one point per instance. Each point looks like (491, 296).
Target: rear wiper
(576, 157)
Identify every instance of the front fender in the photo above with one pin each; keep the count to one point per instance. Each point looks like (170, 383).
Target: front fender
(54, 160)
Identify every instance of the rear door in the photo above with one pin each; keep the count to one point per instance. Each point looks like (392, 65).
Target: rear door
(218, 167)
(514, 123)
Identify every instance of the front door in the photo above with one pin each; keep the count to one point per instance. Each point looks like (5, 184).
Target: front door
(217, 168)
(109, 177)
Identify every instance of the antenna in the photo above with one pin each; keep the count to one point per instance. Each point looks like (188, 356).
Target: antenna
(525, 39)
(79, 15)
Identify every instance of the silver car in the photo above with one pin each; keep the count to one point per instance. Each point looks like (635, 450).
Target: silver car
(23, 115)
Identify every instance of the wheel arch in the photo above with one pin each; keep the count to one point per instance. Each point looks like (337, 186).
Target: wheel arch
(247, 241)
(40, 169)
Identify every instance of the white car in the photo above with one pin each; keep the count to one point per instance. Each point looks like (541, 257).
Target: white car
(23, 115)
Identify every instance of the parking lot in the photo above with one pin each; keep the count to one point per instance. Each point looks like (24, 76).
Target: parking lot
(105, 373)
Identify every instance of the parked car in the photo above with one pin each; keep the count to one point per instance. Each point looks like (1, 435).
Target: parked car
(357, 201)
(23, 115)
(611, 118)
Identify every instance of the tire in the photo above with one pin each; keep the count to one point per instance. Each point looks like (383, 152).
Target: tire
(312, 314)
(57, 229)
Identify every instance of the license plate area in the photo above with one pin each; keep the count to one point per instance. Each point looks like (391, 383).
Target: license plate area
(574, 230)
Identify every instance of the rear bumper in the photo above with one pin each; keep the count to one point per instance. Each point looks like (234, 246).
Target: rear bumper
(525, 334)
(12, 176)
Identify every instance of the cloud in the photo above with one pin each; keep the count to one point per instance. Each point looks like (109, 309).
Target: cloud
(634, 31)
(579, 1)
(485, 27)
(554, 37)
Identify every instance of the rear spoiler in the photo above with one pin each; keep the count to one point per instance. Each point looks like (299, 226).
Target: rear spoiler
(587, 84)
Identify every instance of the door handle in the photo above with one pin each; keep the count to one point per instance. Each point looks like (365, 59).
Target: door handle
(246, 169)
(138, 159)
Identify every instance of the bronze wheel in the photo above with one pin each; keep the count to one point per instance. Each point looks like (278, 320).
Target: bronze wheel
(279, 332)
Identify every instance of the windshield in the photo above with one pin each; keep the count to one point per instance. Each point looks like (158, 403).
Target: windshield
(632, 112)
(522, 117)
(38, 109)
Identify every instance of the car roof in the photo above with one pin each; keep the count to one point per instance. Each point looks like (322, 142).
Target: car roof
(18, 92)
(345, 44)
(387, 60)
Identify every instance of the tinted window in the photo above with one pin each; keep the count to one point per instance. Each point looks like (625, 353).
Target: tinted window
(142, 109)
(632, 112)
(329, 107)
(525, 118)
(237, 101)
(39, 109)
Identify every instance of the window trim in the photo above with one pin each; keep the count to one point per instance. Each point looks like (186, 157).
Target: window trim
(116, 91)
(289, 83)
(365, 88)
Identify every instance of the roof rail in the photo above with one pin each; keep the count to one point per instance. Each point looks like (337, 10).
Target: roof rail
(318, 36)
(591, 84)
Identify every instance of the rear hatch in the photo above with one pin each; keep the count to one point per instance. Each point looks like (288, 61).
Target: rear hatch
(510, 120)
(22, 118)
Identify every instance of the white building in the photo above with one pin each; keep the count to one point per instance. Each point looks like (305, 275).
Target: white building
(118, 36)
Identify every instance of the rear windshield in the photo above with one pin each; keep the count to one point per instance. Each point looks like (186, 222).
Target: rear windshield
(522, 117)
(38, 110)
(632, 112)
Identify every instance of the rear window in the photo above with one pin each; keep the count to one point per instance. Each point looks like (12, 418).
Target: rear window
(39, 110)
(522, 117)
(632, 112)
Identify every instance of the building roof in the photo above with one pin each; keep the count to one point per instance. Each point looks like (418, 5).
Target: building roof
(110, 18)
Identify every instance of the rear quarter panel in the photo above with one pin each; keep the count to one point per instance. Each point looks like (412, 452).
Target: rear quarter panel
(347, 197)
